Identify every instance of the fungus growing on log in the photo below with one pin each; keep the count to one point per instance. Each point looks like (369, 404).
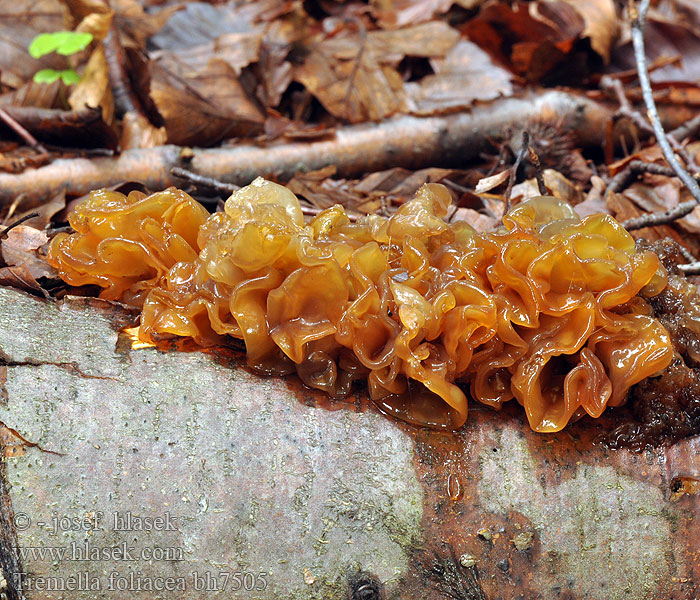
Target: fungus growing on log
(544, 310)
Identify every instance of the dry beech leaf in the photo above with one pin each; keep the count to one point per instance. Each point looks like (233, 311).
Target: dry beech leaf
(559, 185)
(466, 74)
(94, 88)
(21, 22)
(20, 248)
(533, 39)
(205, 107)
(139, 132)
(663, 38)
(394, 14)
(354, 76)
(601, 24)
(488, 183)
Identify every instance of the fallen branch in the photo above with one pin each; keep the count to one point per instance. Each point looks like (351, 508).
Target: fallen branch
(638, 19)
(405, 141)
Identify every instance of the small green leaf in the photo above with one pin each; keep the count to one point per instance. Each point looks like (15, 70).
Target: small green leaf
(62, 42)
(69, 77)
(75, 42)
(47, 76)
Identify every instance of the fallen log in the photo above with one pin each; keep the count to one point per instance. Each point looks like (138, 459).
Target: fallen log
(406, 141)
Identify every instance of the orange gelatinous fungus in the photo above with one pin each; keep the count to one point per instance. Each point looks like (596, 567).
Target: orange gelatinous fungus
(544, 310)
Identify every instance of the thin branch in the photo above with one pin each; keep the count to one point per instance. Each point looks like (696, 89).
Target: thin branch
(626, 109)
(637, 167)
(661, 218)
(203, 181)
(535, 160)
(514, 168)
(4, 232)
(21, 131)
(688, 129)
(691, 268)
(638, 21)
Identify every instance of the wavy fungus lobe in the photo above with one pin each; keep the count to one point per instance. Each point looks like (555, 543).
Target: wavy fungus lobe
(544, 310)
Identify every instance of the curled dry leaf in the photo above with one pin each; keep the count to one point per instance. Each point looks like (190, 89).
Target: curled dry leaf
(488, 183)
(532, 39)
(601, 24)
(559, 186)
(665, 38)
(94, 88)
(20, 248)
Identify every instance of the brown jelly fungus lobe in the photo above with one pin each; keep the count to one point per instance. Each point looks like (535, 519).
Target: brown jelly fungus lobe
(545, 309)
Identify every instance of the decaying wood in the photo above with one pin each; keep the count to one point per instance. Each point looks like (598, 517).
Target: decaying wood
(406, 141)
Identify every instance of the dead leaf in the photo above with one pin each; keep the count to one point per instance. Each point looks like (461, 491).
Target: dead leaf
(532, 39)
(477, 220)
(21, 22)
(594, 202)
(20, 248)
(466, 74)
(665, 38)
(94, 88)
(559, 186)
(21, 278)
(203, 108)
(353, 73)
(488, 183)
(139, 132)
(601, 24)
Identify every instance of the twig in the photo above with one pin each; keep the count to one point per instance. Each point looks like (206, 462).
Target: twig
(638, 21)
(4, 232)
(203, 181)
(688, 129)
(535, 160)
(660, 218)
(691, 268)
(626, 110)
(21, 131)
(637, 167)
(514, 168)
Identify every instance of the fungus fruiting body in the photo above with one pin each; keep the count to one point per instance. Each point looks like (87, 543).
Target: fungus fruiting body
(544, 310)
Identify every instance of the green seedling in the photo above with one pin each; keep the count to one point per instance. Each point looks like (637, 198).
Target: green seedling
(60, 42)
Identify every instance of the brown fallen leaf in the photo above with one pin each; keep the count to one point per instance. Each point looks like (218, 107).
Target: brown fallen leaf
(394, 14)
(602, 25)
(664, 38)
(466, 74)
(560, 186)
(488, 183)
(20, 248)
(532, 39)
(353, 73)
(205, 107)
(94, 88)
(21, 22)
